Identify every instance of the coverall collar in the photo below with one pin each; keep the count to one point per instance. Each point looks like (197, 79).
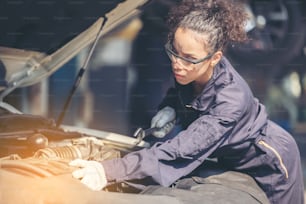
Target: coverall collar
(221, 77)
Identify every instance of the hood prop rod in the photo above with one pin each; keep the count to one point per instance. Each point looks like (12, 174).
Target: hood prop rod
(79, 77)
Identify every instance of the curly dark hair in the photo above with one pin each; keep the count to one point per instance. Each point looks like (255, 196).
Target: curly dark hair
(222, 21)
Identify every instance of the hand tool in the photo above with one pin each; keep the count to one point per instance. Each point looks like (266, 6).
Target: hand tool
(141, 133)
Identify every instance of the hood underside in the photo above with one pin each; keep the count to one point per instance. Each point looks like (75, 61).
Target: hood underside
(46, 25)
(35, 45)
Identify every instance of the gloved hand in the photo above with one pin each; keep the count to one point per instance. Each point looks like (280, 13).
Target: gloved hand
(91, 173)
(164, 120)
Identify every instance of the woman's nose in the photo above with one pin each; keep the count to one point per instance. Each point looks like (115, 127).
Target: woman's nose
(176, 65)
(174, 59)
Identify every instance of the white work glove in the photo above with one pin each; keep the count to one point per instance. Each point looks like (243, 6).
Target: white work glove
(164, 120)
(91, 173)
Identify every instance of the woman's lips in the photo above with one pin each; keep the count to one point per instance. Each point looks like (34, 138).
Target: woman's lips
(178, 76)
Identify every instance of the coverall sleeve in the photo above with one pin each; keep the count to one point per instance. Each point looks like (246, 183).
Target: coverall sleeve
(166, 162)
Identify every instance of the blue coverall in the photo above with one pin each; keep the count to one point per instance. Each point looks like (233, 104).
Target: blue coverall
(225, 122)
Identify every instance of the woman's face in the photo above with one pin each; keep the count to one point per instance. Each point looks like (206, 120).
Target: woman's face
(190, 60)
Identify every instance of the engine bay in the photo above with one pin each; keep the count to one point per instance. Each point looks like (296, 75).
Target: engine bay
(34, 147)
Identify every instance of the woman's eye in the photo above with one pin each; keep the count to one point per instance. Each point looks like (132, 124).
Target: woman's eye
(190, 59)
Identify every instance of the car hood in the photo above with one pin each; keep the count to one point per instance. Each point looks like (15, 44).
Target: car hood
(22, 65)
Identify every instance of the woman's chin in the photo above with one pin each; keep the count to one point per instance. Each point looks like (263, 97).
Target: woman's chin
(182, 82)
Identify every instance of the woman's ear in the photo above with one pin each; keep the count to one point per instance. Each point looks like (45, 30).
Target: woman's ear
(216, 58)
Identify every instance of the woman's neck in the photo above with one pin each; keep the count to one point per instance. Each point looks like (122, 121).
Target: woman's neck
(197, 88)
(199, 85)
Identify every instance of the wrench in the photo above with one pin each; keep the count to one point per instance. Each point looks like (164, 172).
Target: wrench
(141, 133)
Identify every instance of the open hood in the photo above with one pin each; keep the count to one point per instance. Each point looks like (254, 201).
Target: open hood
(22, 66)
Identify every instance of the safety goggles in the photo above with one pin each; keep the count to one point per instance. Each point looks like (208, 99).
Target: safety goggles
(183, 60)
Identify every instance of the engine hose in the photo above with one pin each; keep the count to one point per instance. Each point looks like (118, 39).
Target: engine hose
(17, 164)
(65, 152)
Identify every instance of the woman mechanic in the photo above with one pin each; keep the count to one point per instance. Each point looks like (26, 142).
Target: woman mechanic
(217, 110)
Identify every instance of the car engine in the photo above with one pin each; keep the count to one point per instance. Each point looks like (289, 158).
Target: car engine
(33, 146)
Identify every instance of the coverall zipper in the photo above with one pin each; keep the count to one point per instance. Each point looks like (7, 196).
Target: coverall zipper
(277, 155)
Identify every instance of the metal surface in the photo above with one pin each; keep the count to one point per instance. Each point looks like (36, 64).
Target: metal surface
(109, 137)
(140, 133)
(32, 67)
